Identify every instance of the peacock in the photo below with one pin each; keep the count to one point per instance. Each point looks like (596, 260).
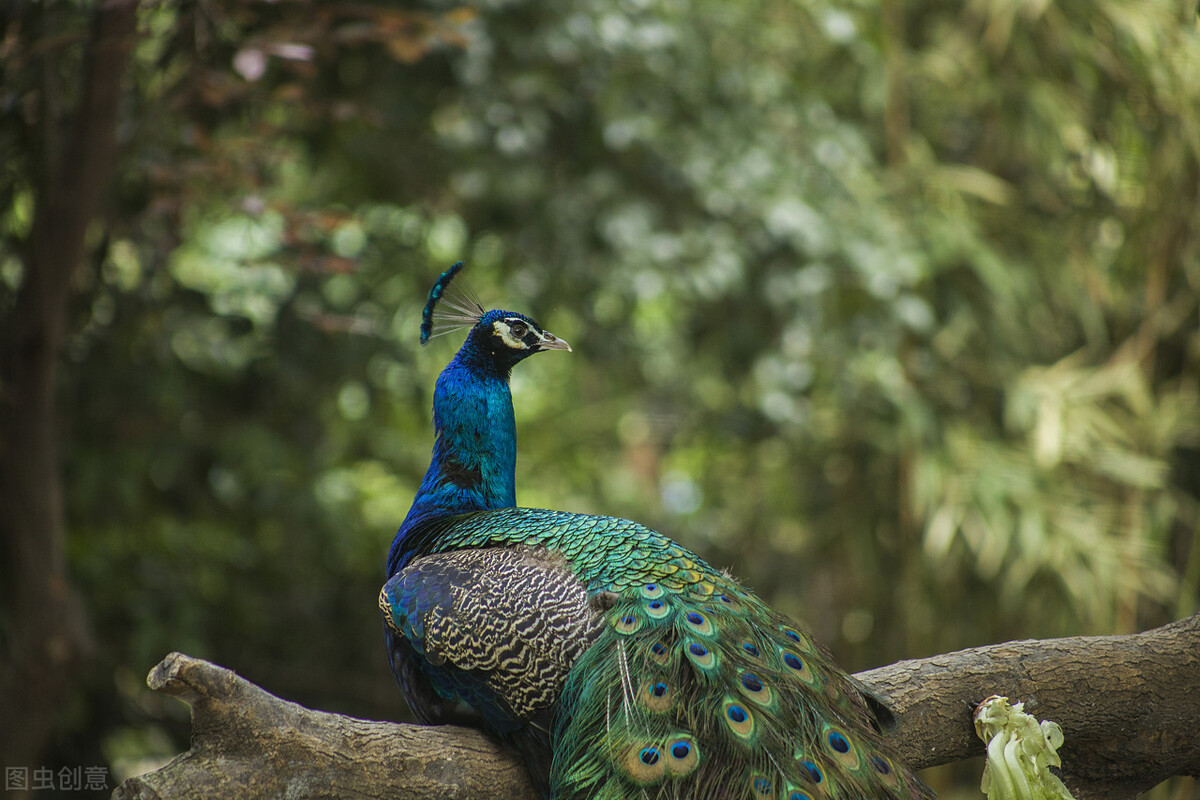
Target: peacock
(618, 663)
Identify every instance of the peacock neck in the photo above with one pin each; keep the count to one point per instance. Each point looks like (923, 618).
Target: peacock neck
(475, 450)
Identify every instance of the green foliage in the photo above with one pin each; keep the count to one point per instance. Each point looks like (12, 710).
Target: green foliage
(890, 307)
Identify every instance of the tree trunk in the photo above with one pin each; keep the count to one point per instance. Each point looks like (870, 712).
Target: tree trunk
(46, 635)
(1128, 705)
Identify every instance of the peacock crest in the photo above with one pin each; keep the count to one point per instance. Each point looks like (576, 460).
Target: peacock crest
(457, 311)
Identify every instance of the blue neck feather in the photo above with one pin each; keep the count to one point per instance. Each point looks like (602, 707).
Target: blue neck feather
(475, 453)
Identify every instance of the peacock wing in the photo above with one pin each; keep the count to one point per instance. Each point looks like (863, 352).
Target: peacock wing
(498, 628)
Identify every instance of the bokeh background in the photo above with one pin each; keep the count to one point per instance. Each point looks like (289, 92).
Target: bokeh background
(890, 307)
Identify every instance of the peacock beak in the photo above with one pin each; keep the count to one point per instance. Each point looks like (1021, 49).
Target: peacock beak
(549, 341)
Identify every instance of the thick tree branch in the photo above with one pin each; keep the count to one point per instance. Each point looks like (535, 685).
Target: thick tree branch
(1128, 705)
(248, 743)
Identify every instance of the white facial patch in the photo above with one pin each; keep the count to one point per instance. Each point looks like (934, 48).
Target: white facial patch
(504, 329)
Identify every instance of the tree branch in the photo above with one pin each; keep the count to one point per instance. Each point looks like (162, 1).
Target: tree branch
(1128, 705)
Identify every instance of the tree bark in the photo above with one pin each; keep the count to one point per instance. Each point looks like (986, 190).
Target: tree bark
(47, 633)
(1128, 705)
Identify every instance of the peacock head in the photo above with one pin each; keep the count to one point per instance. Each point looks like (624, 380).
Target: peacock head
(503, 337)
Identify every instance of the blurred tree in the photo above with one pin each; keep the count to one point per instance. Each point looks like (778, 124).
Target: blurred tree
(54, 189)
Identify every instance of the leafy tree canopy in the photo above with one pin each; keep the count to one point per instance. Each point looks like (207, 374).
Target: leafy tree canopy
(890, 307)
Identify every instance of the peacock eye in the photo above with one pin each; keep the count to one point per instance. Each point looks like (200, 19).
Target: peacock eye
(519, 329)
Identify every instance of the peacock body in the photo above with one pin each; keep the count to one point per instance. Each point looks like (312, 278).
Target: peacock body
(619, 663)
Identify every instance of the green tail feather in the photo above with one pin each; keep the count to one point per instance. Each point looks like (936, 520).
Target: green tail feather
(703, 691)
